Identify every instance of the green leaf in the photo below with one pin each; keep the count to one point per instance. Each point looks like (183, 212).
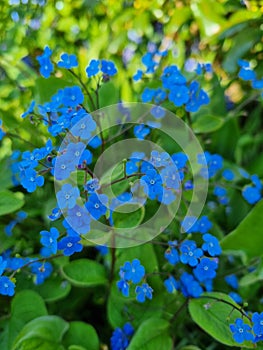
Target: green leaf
(42, 333)
(130, 218)
(84, 273)
(241, 44)
(152, 334)
(190, 347)
(247, 237)
(108, 94)
(53, 289)
(76, 347)
(82, 335)
(215, 316)
(207, 123)
(26, 306)
(5, 174)
(10, 201)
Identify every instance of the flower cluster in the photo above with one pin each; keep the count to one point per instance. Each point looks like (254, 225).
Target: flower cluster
(133, 273)
(245, 332)
(121, 337)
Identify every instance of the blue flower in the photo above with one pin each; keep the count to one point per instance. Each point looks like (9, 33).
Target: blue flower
(190, 253)
(124, 287)
(172, 77)
(121, 337)
(96, 205)
(171, 254)
(92, 185)
(241, 331)
(142, 292)
(180, 159)
(159, 159)
(102, 249)
(7, 287)
(67, 61)
(67, 196)
(70, 245)
(257, 320)
(232, 281)
(205, 269)
(236, 297)
(29, 110)
(93, 68)
(30, 180)
(152, 184)
(228, 175)
(179, 95)
(171, 284)
(42, 270)
(251, 194)
(138, 75)
(141, 131)
(83, 126)
(108, 67)
(63, 167)
(189, 286)
(49, 239)
(133, 271)
(46, 66)
(78, 219)
(72, 96)
(211, 245)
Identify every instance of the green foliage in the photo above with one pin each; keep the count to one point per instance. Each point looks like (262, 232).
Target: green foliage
(246, 238)
(214, 316)
(152, 334)
(84, 273)
(10, 202)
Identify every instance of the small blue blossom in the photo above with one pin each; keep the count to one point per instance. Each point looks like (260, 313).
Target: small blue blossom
(84, 125)
(251, 194)
(124, 287)
(78, 219)
(42, 270)
(141, 131)
(67, 196)
(133, 271)
(92, 185)
(171, 254)
(142, 292)
(121, 337)
(96, 205)
(46, 66)
(190, 253)
(70, 245)
(7, 287)
(93, 68)
(211, 245)
(205, 269)
(67, 61)
(49, 239)
(30, 180)
(72, 96)
(108, 67)
(179, 95)
(228, 175)
(152, 184)
(29, 110)
(236, 297)
(232, 281)
(171, 284)
(241, 331)
(189, 286)
(257, 320)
